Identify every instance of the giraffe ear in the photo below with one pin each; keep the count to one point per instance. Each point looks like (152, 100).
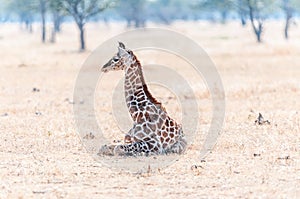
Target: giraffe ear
(121, 45)
(122, 51)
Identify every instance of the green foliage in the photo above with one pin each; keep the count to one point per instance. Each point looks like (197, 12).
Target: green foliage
(133, 11)
(4, 11)
(294, 5)
(24, 9)
(82, 10)
(223, 7)
(169, 10)
(56, 5)
(217, 4)
(263, 8)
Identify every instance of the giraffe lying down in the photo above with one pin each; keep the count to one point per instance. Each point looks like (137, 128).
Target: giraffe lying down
(153, 131)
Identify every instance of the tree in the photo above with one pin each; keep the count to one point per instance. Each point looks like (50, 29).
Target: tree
(4, 11)
(288, 12)
(289, 8)
(221, 7)
(133, 11)
(57, 12)
(166, 11)
(258, 11)
(242, 11)
(82, 11)
(256, 19)
(25, 10)
(42, 5)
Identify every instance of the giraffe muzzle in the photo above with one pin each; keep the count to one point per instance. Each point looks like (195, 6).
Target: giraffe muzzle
(104, 69)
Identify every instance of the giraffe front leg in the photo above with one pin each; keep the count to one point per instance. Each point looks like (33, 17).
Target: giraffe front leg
(129, 136)
(135, 148)
(118, 149)
(179, 146)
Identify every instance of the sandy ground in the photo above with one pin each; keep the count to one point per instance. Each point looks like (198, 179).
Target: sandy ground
(41, 154)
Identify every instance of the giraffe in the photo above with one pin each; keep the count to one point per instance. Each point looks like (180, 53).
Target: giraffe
(153, 131)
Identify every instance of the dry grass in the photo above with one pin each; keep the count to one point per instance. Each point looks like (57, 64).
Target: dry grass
(41, 154)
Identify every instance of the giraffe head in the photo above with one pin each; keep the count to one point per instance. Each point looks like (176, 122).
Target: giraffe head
(119, 61)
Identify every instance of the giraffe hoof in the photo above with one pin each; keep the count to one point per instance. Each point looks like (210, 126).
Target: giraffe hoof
(119, 150)
(106, 150)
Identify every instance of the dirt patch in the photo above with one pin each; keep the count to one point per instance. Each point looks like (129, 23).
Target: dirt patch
(41, 154)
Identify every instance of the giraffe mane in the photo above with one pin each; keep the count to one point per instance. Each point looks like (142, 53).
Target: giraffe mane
(149, 95)
(145, 87)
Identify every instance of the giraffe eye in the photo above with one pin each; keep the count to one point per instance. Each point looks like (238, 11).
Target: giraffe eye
(115, 59)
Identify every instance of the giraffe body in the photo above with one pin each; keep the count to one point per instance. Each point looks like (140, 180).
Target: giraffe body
(153, 131)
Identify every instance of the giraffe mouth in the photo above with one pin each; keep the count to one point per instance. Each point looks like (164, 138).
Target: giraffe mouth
(105, 67)
(105, 70)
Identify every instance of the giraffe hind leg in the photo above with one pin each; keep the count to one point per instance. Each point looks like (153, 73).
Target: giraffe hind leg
(178, 147)
(107, 150)
(135, 148)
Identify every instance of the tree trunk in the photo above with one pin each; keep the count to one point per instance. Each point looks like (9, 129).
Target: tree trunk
(53, 35)
(258, 36)
(43, 30)
(242, 12)
(57, 19)
(224, 16)
(136, 23)
(27, 24)
(57, 24)
(139, 23)
(30, 27)
(243, 19)
(53, 30)
(257, 30)
(286, 28)
(82, 42)
(128, 23)
(288, 17)
(43, 14)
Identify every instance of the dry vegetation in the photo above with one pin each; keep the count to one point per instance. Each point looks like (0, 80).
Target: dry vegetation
(41, 154)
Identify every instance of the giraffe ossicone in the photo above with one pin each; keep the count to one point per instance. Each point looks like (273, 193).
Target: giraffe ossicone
(153, 131)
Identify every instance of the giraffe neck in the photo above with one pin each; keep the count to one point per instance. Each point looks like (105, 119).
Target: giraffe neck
(136, 91)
